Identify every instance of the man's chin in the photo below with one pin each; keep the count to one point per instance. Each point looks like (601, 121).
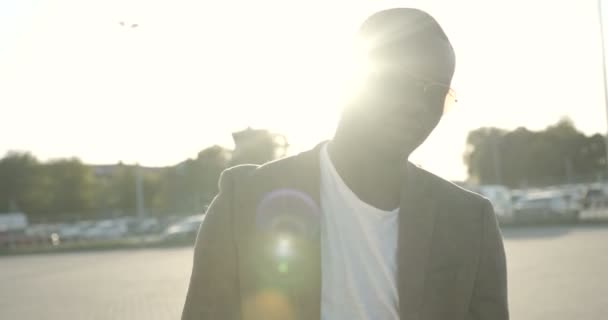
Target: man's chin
(393, 152)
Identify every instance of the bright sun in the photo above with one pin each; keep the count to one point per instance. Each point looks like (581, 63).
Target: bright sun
(300, 87)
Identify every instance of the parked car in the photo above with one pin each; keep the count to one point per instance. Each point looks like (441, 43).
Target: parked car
(595, 196)
(183, 231)
(75, 231)
(145, 226)
(15, 221)
(106, 230)
(40, 230)
(547, 205)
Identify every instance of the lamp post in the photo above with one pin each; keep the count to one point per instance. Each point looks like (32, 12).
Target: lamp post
(601, 20)
(139, 193)
(139, 189)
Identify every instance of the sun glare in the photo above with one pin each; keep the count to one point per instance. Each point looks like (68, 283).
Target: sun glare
(301, 91)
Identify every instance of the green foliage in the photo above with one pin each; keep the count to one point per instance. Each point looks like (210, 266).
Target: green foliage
(62, 187)
(67, 189)
(70, 185)
(189, 186)
(558, 154)
(17, 180)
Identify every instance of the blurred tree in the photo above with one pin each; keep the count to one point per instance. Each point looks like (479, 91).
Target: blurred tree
(18, 176)
(254, 146)
(189, 186)
(483, 154)
(117, 194)
(65, 189)
(210, 163)
(71, 186)
(521, 157)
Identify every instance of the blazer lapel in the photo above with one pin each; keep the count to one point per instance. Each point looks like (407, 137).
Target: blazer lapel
(307, 179)
(416, 222)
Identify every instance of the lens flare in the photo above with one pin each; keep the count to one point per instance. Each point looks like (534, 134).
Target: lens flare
(284, 247)
(287, 229)
(288, 212)
(269, 305)
(283, 267)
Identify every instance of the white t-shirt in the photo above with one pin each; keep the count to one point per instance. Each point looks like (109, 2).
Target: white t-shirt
(358, 253)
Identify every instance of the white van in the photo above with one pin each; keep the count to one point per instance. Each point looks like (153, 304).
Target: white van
(15, 221)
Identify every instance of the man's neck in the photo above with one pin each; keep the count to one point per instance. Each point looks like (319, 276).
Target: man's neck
(374, 178)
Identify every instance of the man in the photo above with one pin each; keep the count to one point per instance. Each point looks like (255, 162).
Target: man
(351, 229)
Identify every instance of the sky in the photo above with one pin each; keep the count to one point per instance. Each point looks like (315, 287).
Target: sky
(75, 82)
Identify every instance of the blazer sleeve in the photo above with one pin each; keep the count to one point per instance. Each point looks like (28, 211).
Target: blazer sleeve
(489, 300)
(213, 292)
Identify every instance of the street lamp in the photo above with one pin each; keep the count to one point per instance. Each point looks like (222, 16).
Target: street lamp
(139, 189)
(601, 20)
(139, 192)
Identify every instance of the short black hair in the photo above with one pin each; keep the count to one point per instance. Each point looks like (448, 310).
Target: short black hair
(396, 33)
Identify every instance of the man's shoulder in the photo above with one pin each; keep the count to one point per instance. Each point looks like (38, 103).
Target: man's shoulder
(451, 193)
(463, 213)
(273, 170)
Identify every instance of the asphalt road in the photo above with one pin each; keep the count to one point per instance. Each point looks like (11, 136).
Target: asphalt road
(555, 273)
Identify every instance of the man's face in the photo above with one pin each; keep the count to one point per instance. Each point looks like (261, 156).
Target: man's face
(405, 99)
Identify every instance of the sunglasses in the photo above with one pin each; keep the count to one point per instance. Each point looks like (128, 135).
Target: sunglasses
(415, 86)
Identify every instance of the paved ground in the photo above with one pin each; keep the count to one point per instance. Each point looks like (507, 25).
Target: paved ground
(555, 273)
(118, 285)
(558, 273)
